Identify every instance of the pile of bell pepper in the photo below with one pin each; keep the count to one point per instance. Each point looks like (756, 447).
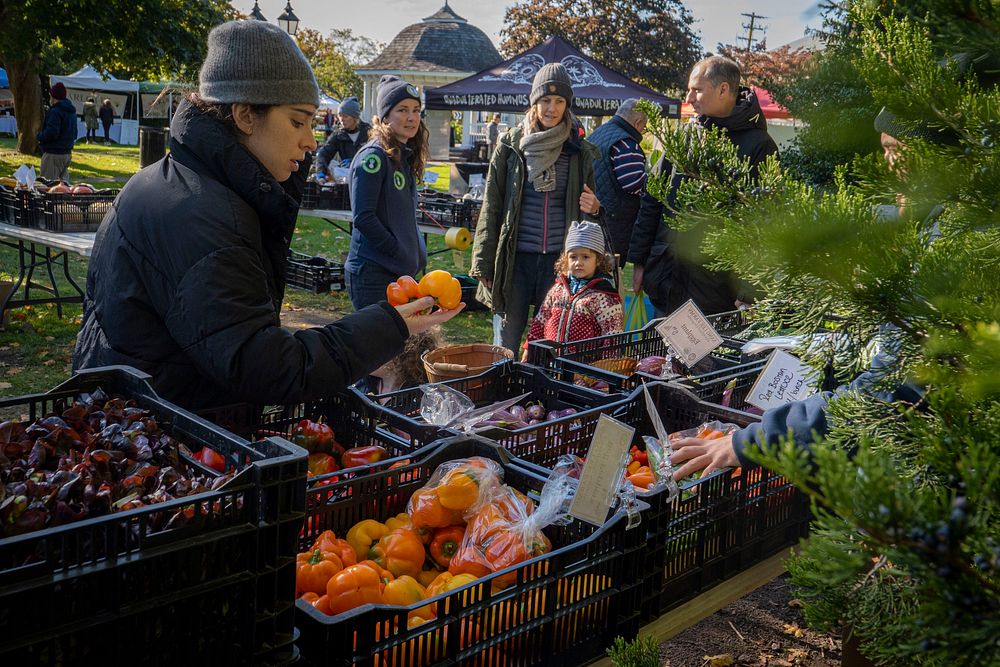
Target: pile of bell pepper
(326, 455)
(463, 525)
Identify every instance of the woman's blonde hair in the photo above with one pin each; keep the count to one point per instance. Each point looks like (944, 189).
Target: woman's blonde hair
(605, 262)
(393, 146)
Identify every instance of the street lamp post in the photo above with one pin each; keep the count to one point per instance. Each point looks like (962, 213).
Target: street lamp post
(256, 14)
(288, 21)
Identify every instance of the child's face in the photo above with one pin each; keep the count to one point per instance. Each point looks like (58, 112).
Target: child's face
(582, 262)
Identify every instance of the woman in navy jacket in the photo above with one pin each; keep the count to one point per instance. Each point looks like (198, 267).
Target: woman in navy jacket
(385, 242)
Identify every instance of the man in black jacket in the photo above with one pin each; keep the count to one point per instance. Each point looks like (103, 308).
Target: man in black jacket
(344, 143)
(58, 136)
(669, 265)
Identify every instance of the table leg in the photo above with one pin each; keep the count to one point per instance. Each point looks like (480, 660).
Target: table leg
(20, 277)
(52, 279)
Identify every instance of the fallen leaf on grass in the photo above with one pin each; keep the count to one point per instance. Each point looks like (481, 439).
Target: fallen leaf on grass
(795, 602)
(5, 385)
(325, 233)
(797, 656)
(721, 660)
(43, 353)
(48, 362)
(793, 629)
(13, 370)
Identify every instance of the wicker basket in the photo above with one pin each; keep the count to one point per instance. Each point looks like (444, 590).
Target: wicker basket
(460, 361)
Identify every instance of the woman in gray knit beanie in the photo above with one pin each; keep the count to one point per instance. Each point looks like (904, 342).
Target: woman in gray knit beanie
(188, 271)
(541, 177)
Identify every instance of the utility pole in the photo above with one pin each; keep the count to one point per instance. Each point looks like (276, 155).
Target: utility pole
(750, 27)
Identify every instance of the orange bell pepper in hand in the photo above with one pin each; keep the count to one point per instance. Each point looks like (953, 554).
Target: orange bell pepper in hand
(328, 541)
(314, 569)
(352, 587)
(445, 543)
(401, 552)
(364, 535)
(445, 289)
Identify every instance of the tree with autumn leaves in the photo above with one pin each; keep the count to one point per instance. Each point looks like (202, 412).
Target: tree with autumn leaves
(606, 30)
(904, 547)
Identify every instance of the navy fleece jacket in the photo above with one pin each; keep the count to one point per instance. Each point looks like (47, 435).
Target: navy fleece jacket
(383, 208)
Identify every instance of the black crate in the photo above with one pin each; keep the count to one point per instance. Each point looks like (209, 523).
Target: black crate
(564, 608)
(718, 526)
(73, 212)
(729, 387)
(107, 589)
(441, 209)
(730, 324)
(19, 207)
(8, 204)
(400, 410)
(314, 273)
(333, 196)
(574, 361)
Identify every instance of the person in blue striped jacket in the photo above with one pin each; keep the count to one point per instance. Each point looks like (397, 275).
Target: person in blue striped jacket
(621, 173)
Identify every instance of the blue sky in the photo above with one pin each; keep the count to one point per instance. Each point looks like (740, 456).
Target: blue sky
(381, 19)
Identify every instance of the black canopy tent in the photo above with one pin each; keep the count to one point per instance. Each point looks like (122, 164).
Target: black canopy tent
(597, 90)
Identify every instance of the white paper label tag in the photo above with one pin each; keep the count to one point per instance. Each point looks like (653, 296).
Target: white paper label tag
(691, 336)
(602, 472)
(783, 380)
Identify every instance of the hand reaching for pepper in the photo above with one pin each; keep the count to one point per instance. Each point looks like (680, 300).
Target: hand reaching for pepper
(417, 323)
(707, 456)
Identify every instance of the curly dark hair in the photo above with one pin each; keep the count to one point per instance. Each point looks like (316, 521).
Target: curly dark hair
(408, 367)
(605, 263)
(223, 112)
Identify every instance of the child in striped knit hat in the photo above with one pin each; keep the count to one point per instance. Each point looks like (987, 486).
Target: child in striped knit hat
(583, 302)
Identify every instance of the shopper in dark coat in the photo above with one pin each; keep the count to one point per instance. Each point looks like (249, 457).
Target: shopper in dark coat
(344, 143)
(107, 115)
(719, 101)
(188, 270)
(58, 135)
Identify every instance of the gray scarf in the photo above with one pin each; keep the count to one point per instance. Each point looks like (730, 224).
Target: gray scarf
(541, 149)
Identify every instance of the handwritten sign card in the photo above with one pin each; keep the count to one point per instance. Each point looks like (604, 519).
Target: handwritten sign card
(602, 472)
(783, 380)
(690, 335)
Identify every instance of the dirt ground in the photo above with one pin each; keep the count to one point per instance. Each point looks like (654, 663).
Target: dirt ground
(765, 628)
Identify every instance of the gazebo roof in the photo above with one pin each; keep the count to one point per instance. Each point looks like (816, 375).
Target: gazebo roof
(442, 42)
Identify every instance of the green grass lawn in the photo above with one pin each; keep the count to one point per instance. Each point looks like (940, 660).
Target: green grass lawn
(36, 345)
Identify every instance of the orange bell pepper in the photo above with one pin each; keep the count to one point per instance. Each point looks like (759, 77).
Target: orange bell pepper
(445, 289)
(352, 587)
(427, 576)
(320, 602)
(426, 511)
(403, 520)
(469, 561)
(328, 541)
(401, 552)
(384, 575)
(364, 535)
(459, 490)
(405, 591)
(447, 582)
(445, 543)
(314, 569)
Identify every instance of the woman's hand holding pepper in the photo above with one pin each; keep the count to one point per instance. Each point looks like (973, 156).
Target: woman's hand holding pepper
(418, 323)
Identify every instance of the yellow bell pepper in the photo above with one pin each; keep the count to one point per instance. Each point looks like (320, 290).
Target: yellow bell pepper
(447, 582)
(404, 591)
(364, 535)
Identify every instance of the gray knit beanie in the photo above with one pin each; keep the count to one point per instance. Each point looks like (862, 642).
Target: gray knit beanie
(585, 235)
(391, 91)
(350, 107)
(255, 62)
(552, 79)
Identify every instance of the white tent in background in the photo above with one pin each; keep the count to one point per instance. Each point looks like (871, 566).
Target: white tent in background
(327, 102)
(88, 81)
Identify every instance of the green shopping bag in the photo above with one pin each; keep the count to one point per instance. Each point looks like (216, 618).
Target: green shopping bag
(636, 315)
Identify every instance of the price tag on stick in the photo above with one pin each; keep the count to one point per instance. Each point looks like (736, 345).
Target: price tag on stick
(689, 334)
(783, 380)
(602, 472)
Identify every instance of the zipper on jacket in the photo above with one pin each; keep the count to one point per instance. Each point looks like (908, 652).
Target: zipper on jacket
(545, 225)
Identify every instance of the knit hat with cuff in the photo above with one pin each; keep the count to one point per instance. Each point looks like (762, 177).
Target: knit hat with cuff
(585, 235)
(551, 79)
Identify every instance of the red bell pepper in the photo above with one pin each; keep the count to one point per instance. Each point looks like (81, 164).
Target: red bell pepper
(316, 437)
(321, 464)
(362, 456)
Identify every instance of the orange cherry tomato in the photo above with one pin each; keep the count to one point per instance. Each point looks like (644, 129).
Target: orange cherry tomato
(410, 286)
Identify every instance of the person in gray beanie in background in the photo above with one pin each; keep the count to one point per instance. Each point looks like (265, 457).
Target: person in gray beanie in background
(187, 275)
(342, 145)
(384, 177)
(541, 177)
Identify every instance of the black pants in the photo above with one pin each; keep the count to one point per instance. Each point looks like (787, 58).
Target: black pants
(91, 133)
(534, 275)
(107, 132)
